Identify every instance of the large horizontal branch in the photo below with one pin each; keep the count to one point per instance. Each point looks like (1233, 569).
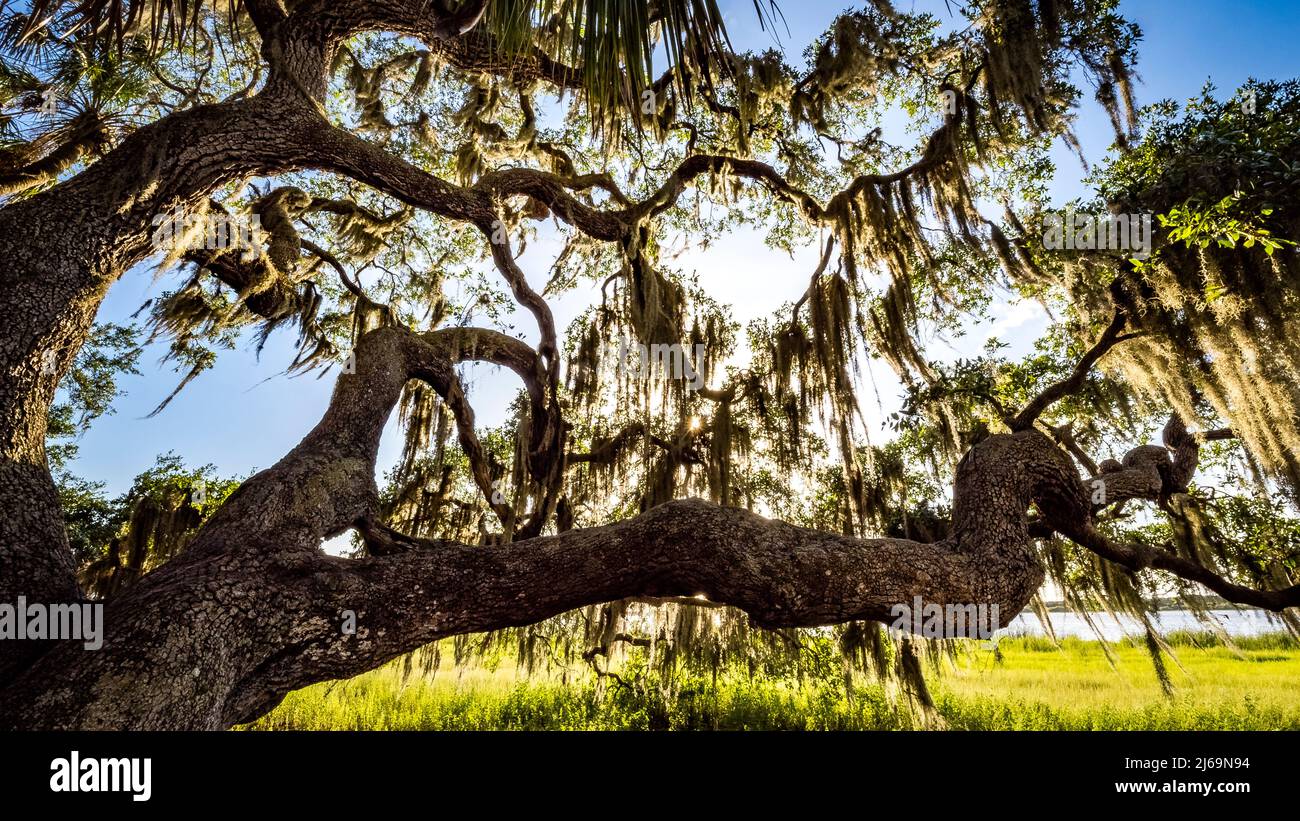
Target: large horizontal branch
(781, 575)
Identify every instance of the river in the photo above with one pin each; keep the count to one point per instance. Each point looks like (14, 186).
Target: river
(1235, 622)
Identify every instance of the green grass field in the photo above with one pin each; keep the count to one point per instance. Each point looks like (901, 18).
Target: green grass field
(1035, 686)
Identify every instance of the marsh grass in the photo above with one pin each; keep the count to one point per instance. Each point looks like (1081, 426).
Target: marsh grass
(1034, 685)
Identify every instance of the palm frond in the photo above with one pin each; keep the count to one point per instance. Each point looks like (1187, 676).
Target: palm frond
(615, 44)
(158, 23)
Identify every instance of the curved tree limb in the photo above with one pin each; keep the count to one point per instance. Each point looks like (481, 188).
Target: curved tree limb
(255, 604)
(1058, 390)
(255, 572)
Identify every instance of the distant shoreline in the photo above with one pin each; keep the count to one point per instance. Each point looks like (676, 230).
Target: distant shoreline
(1163, 604)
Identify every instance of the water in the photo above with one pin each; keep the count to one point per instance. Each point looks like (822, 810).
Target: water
(1235, 622)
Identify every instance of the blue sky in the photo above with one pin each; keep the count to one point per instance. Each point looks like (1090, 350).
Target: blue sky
(244, 414)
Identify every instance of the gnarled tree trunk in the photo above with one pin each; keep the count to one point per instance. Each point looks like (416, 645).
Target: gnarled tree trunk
(254, 609)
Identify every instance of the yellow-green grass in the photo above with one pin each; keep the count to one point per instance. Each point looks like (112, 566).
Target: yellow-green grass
(1038, 686)
(1034, 685)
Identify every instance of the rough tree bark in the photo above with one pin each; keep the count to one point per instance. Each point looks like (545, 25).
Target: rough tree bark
(253, 608)
(59, 253)
(61, 250)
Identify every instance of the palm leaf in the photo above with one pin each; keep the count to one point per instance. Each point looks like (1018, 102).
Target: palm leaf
(159, 23)
(615, 44)
(612, 43)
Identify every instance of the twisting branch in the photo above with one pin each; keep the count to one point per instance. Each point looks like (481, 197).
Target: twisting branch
(523, 292)
(334, 149)
(480, 344)
(1154, 473)
(1139, 559)
(266, 15)
(455, 23)
(815, 279)
(454, 395)
(1059, 390)
(329, 259)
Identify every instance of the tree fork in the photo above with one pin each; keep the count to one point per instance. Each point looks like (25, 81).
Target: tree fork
(253, 608)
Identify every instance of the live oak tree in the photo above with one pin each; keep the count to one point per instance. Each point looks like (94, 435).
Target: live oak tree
(384, 147)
